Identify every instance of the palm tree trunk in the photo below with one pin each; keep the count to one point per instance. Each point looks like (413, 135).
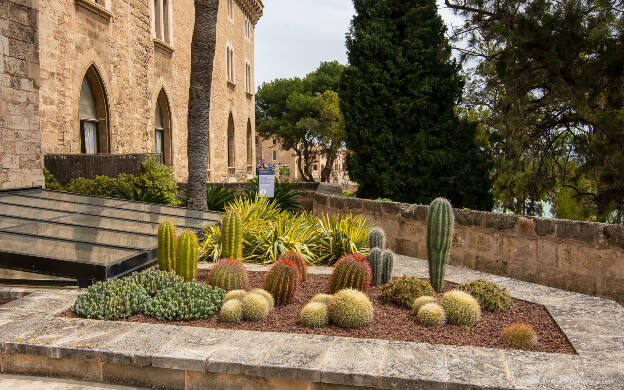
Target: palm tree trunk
(202, 59)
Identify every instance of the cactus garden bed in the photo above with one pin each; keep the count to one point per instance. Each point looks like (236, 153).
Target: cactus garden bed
(392, 322)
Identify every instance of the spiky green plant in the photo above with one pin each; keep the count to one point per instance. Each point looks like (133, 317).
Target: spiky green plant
(282, 281)
(375, 261)
(166, 246)
(184, 302)
(403, 291)
(439, 237)
(461, 308)
(153, 281)
(519, 335)
(299, 262)
(343, 235)
(111, 300)
(231, 311)
(322, 298)
(421, 301)
(234, 294)
(232, 233)
(314, 315)
(351, 271)
(286, 195)
(255, 307)
(187, 253)
(431, 314)
(266, 294)
(388, 266)
(228, 274)
(350, 308)
(377, 238)
(490, 295)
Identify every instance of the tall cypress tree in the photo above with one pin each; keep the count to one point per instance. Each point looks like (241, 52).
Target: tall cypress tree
(398, 96)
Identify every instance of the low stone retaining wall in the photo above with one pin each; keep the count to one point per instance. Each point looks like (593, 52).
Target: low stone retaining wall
(577, 256)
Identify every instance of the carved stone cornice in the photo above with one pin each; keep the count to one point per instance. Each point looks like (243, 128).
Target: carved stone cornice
(251, 8)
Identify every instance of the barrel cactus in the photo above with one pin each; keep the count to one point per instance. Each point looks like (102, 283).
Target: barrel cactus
(228, 274)
(377, 238)
(350, 308)
(299, 262)
(439, 237)
(431, 314)
(282, 281)
(420, 302)
(255, 307)
(232, 235)
(375, 261)
(461, 308)
(231, 311)
(314, 315)
(267, 295)
(387, 259)
(187, 253)
(519, 335)
(322, 298)
(350, 271)
(234, 294)
(166, 246)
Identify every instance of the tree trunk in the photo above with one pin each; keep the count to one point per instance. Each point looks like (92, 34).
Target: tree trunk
(330, 159)
(202, 59)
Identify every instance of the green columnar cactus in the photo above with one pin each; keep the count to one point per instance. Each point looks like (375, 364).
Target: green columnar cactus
(166, 246)
(282, 281)
(299, 262)
(439, 236)
(228, 274)
(377, 238)
(388, 265)
(232, 235)
(376, 264)
(187, 255)
(350, 271)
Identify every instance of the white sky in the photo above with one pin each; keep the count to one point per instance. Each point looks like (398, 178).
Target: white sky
(294, 36)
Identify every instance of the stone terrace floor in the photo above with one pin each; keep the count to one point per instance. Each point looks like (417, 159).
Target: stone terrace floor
(594, 326)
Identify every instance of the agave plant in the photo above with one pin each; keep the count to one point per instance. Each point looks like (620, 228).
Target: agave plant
(139, 194)
(342, 235)
(217, 198)
(286, 195)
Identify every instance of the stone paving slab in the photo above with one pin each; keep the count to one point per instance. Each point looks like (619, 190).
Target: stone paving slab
(593, 325)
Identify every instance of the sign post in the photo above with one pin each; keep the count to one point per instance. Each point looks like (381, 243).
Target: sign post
(266, 182)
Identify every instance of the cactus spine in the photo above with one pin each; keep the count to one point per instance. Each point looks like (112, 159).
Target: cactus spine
(232, 235)
(388, 265)
(228, 274)
(299, 262)
(439, 236)
(282, 281)
(375, 261)
(350, 271)
(166, 246)
(377, 238)
(187, 255)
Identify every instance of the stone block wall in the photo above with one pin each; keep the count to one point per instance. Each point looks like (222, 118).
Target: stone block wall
(21, 159)
(577, 256)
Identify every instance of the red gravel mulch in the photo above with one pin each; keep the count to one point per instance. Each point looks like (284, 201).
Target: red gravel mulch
(392, 322)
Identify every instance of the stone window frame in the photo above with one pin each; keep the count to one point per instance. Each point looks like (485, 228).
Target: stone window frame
(248, 87)
(274, 155)
(230, 10)
(162, 24)
(231, 143)
(249, 144)
(96, 83)
(99, 7)
(162, 100)
(230, 68)
(247, 29)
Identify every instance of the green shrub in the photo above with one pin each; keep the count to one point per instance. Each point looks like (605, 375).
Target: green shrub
(461, 308)
(431, 314)
(350, 308)
(520, 336)
(351, 271)
(286, 195)
(158, 178)
(490, 295)
(255, 307)
(185, 301)
(217, 198)
(314, 315)
(420, 302)
(50, 181)
(403, 291)
(232, 310)
(99, 186)
(111, 300)
(322, 298)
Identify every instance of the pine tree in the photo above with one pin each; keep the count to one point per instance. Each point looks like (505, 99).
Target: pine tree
(398, 96)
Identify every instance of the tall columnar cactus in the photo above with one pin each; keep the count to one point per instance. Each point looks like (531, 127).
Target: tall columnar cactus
(388, 265)
(282, 281)
(228, 274)
(375, 260)
(377, 238)
(350, 271)
(166, 246)
(299, 261)
(187, 254)
(439, 236)
(232, 235)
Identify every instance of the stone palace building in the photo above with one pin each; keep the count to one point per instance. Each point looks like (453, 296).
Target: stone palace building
(112, 77)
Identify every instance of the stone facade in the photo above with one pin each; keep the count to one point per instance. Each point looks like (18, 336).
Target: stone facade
(578, 256)
(21, 160)
(139, 55)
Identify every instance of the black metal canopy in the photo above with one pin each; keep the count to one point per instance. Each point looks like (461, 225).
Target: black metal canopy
(82, 237)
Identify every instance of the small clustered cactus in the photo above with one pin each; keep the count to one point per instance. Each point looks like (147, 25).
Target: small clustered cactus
(461, 308)
(185, 301)
(403, 291)
(380, 259)
(299, 261)
(232, 235)
(282, 281)
(314, 315)
(255, 307)
(519, 335)
(421, 301)
(377, 238)
(111, 300)
(166, 246)
(350, 271)
(232, 310)
(490, 295)
(350, 308)
(322, 298)
(439, 237)
(187, 253)
(431, 314)
(228, 274)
